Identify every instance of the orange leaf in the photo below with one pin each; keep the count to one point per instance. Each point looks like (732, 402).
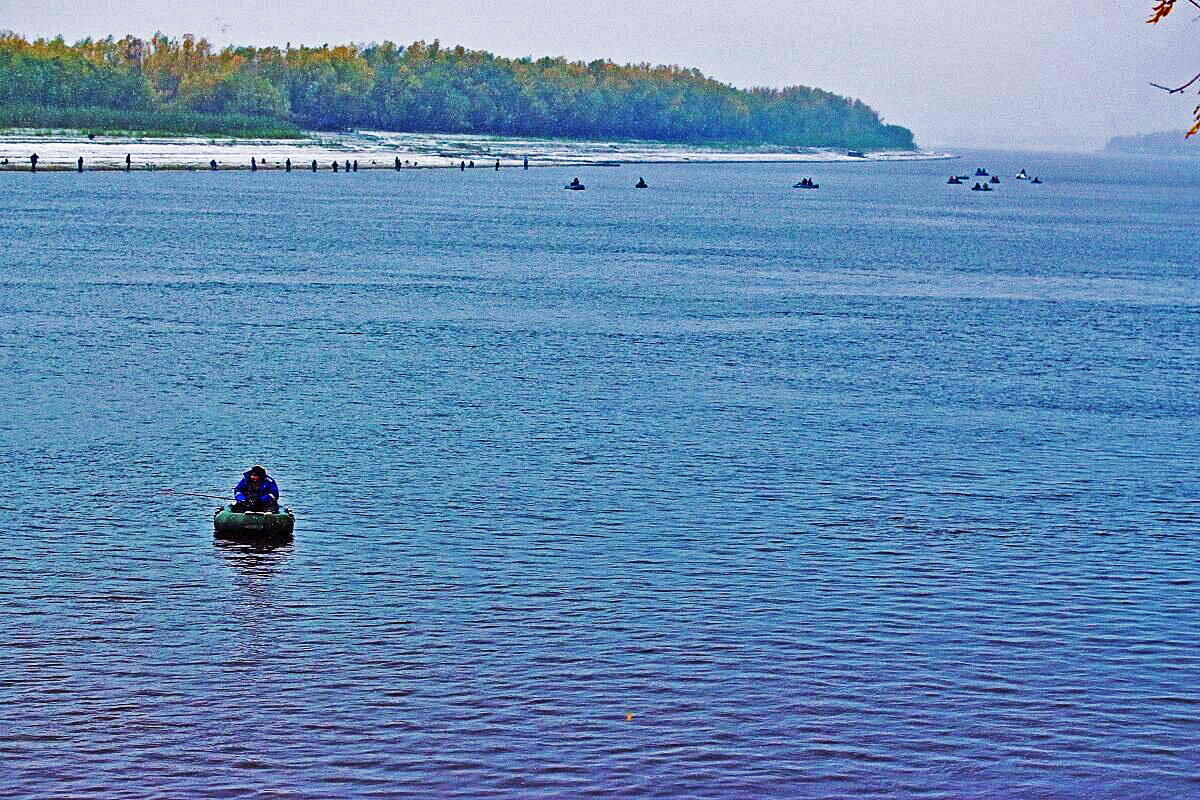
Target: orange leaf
(1161, 9)
(1195, 128)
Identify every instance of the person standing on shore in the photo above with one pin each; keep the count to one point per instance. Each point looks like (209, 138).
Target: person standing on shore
(335, 166)
(128, 162)
(287, 165)
(33, 159)
(80, 163)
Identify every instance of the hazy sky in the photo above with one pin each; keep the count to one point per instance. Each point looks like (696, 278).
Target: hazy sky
(1022, 73)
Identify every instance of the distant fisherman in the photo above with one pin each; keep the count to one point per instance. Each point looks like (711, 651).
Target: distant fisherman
(256, 491)
(347, 165)
(397, 163)
(213, 165)
(356, 165)
(335, 166)
(33, 159)
(497, 165)
(128, 162)
(79, 163)
(462, 165)
(287, 165)
(253, 164)
(526, 164)
(314, 165)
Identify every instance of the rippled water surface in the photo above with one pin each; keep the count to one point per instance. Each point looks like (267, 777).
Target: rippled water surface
(717, 489)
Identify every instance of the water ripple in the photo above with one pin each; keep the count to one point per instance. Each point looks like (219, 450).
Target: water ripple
(704, 493)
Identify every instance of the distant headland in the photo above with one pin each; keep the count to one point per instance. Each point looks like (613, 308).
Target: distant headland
(1168, 143)
(185, 87)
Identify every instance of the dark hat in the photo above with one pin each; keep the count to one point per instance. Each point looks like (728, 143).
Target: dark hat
(258, 469)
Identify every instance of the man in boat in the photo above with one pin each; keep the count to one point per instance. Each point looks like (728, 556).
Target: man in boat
(257, 491)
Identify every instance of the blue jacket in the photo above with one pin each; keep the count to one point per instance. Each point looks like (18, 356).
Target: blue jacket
(245, 490)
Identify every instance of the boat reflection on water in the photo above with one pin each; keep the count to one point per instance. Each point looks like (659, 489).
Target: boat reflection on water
(254, 559)
(256, 606)
(255, 568)
(256, 563)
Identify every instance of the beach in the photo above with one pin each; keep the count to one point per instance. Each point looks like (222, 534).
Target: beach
(61, 150)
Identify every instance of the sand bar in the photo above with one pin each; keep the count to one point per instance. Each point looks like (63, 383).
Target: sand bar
(380, 149)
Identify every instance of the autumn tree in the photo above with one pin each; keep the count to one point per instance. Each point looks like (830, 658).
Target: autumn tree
(427, 87)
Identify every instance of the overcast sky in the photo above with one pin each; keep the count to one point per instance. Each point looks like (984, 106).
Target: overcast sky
(988, 73)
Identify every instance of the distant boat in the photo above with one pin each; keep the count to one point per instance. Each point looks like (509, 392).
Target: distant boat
(856, 154)
(1021, 176)
(954, 179)
(575, 185)
(1036, 180)
(807, 183)
(980, 172)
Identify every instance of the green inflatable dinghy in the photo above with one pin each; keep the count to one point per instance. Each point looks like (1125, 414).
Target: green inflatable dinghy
(254, 526)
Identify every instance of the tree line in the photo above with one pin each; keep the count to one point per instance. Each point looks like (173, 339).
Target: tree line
(425, 87)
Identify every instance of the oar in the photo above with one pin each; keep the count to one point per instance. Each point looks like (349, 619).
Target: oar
(195, 494)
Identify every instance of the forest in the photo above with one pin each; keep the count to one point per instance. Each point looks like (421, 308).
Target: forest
(185, 85)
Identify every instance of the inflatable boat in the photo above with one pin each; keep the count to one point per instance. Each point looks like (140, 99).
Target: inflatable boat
(254, 526)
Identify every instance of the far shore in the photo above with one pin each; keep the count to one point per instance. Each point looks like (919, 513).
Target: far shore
(59, 152)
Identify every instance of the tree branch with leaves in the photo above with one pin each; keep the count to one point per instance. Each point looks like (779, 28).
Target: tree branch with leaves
(1161, 9)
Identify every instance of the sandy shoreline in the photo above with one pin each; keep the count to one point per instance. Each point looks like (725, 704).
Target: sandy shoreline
(379, 150)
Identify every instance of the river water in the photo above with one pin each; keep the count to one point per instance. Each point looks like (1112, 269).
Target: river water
(718, 489)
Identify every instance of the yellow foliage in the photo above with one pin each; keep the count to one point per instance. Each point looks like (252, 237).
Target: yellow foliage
(1196, 127)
